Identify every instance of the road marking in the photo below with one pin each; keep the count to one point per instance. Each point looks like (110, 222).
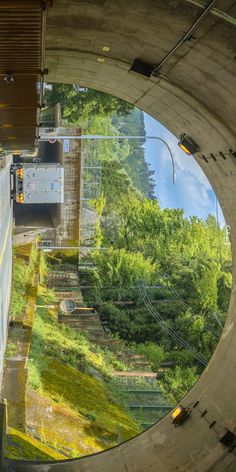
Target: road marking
(6, 236)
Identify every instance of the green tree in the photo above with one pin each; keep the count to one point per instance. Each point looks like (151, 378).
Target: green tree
(177, 382)
(77, 106)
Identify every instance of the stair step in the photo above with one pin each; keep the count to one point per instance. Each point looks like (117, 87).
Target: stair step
(123, 373)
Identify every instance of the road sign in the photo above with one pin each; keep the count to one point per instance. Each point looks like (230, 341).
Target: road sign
(52, 140)
(66, 145)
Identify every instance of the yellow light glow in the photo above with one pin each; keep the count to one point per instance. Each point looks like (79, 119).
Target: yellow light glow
(7, 125)
(106, 48)
(4, 105)
(101, 60)
(176, 412)
(11, 137)
(20, 198)
(184, 149)
(19, 172)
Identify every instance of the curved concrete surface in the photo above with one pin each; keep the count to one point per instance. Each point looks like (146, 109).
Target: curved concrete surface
(5, 253)
(195, 93)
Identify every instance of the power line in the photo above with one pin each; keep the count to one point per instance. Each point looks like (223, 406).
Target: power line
(165, 326)
(174, 335)
(182, 304)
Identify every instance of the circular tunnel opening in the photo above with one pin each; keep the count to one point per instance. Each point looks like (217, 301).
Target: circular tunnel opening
(140, 249)
(192, 95)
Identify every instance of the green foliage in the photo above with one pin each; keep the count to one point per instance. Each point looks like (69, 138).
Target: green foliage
(56, 354)
(78, 106)
(43, 270)
(120, 267)
(135, 165)
(163, 248)
(187, 259)
(88, 396)
(10, 349)
(177, 382)
(100, 114)
(60, 342)
(21, 272)
(24, 259)
(153, 352)
(206, 281)
(34, 369)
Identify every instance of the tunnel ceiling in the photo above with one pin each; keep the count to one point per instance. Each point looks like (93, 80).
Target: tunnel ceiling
(193, 93)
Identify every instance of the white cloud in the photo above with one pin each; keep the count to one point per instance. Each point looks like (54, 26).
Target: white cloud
(182, 161)
(192, 191)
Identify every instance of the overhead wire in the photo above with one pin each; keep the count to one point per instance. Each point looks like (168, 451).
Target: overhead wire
(181, 303)
(154, 313)
(176, 337)
(176, 298)
(179, 340)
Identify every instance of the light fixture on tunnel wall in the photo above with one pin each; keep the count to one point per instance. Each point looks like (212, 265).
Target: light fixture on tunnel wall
(179, 415)
(188, 145)
(142, 68)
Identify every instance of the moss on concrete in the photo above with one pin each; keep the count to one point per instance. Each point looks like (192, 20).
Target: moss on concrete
(59, 426)
(89, 397)
(71, 410)
(22, 446)
(25, 251)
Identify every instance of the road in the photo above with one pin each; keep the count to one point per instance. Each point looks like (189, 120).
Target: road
(5, 252)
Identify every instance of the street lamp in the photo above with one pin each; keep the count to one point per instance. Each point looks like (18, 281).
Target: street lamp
(101, 137)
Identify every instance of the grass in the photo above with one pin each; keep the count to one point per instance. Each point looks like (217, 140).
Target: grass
(24, 258)
(56, 354)
(73, 404)
(28, 252)
(43, 269)
(90, 398)
(86, 419)
(11, 349)
(65, 343)
(69, 431)
(21, 273)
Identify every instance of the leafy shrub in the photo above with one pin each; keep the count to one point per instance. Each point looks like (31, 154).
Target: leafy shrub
(153, 352)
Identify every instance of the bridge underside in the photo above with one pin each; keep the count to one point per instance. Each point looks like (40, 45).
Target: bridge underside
(94, 43)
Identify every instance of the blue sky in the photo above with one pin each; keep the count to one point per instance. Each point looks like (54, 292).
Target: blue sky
(192, 190)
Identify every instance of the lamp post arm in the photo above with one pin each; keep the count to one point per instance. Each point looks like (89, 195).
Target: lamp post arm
(102, 137)
(172, 158)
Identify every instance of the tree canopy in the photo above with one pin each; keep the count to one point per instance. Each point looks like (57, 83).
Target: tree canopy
(184, 264)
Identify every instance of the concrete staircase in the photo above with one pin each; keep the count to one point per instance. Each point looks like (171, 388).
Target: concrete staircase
(150, 404)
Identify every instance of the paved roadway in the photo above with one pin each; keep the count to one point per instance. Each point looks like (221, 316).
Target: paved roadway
(5, 252)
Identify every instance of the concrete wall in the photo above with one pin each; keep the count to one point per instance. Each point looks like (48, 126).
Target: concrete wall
(68, 230)
(194, 93)
(5, 256)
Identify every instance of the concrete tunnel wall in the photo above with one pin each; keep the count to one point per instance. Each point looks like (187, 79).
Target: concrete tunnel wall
(195, 93)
